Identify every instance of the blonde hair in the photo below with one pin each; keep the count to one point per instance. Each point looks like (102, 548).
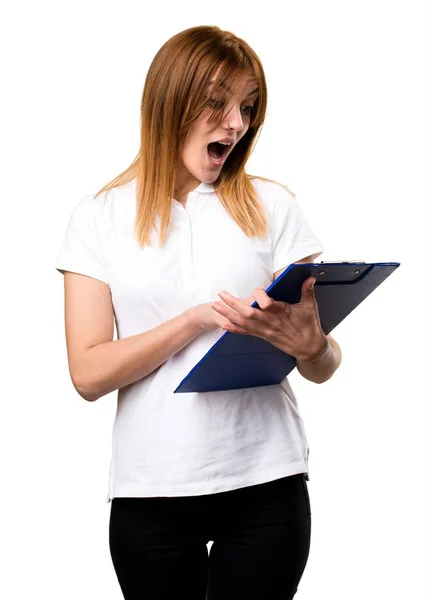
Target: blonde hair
(173, 99)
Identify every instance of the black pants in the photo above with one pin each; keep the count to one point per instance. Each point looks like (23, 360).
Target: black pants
(260, 534)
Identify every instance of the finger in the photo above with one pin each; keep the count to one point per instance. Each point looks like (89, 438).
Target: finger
(249, 300)
(226, 311)
(234, 328)
(236, 321)
(220, 307)
(252, 321)
(307, 288)
(238, 305)
(263, 300)
(244, 318)
(268, 305)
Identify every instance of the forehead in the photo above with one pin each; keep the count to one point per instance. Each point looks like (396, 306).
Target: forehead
(247, 86)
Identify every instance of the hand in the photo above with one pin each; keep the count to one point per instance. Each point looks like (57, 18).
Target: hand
(293, 328)
(208, 319)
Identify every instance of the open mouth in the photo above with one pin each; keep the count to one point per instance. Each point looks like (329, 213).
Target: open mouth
(218, 150)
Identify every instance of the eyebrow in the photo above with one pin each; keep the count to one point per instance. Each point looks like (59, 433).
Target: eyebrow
(225, 86)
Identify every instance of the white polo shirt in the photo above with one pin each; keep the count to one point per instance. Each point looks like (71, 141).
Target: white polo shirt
(167, 444)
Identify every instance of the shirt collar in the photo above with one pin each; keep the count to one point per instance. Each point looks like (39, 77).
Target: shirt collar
(204, 188)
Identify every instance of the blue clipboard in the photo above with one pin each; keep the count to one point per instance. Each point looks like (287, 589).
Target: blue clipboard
(238, 361)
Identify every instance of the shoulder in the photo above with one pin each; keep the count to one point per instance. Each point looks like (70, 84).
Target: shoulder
(106, 209)
(273, 193)
(271, 190)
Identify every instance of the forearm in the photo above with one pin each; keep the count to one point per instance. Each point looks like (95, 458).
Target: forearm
(323, 366)
(113, 365)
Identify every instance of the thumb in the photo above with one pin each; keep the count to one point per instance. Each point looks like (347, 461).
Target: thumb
(307, 288)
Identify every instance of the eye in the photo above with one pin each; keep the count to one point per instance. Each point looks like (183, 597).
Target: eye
(217, 104)
(213, 103)
(248, 109)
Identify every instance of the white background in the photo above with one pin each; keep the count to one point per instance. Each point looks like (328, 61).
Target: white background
(347, 130)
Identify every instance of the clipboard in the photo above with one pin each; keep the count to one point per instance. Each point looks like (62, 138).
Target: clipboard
(239, 361)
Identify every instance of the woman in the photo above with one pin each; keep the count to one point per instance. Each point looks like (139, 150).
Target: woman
(152, 251)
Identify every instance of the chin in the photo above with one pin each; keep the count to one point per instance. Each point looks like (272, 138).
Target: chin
(210, 178)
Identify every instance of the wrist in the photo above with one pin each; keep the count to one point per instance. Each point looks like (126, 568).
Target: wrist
(194, 318)
(319, 354)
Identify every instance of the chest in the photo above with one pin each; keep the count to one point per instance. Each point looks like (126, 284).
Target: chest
(203, 254)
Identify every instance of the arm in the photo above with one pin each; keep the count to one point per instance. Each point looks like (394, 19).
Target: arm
(322, 366)
(98, 364)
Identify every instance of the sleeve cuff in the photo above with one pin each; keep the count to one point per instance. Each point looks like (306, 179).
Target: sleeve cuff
(83, 270)
(296, 254)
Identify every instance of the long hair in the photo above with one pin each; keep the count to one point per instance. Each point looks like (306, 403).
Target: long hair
(173, 99)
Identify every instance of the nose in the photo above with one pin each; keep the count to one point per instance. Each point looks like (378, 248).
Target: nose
(234, 119)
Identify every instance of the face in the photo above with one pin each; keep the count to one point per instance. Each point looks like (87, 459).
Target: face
(201, 163)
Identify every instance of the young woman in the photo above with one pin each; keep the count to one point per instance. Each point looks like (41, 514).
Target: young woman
(174, 251)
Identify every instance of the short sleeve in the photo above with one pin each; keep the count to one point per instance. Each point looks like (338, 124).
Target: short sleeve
(81, 249)
(293, 239)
